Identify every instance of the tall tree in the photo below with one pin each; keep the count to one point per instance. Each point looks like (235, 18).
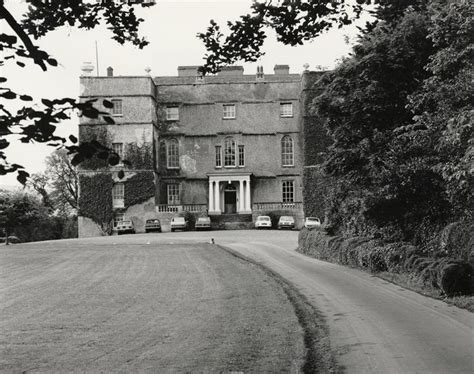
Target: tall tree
(64, 181)
(294, 22)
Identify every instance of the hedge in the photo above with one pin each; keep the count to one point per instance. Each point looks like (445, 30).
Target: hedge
(450, 275)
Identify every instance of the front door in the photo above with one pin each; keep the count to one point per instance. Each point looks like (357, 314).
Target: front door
(230, 200)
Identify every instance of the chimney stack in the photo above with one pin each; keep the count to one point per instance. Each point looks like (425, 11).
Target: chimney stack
(110, 71)
(260, 72)
(281, 69)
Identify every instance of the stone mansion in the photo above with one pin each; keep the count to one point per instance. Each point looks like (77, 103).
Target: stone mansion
(228, 145)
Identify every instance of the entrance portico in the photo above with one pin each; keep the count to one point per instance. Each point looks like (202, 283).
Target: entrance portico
(229, 193)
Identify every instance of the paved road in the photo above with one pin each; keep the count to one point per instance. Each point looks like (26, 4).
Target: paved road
(375, 326)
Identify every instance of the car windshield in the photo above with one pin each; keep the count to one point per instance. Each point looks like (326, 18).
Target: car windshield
(178, 219)
(203, 219)
(126, 222)
(312, 219)
(263, 218)
(286, 218)
(153, 221)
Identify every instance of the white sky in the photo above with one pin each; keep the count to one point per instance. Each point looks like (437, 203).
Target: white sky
(170, 27)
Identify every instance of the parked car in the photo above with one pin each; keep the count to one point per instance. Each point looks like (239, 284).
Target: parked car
(203, 223)
(125, 226)
(178, 223)
(286, 222)
(312, 222)
(153, 224)
(263, 222)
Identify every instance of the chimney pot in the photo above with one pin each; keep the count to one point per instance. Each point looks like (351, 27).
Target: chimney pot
(110, 71)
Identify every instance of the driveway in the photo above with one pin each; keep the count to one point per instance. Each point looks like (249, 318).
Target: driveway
(375, 326)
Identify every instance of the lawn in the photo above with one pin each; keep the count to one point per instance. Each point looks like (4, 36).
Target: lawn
(118, 305)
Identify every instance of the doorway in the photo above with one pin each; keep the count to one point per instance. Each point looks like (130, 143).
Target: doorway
(230, 199)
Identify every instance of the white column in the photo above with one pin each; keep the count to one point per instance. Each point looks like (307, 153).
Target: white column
(211, 197)
(241, 196)
(217, 198)
(248, 207)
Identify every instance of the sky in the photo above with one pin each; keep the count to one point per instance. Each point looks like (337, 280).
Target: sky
(171, 27)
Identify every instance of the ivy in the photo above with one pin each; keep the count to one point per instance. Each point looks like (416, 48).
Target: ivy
(139, 156)
(139, 188)
(95, 134)
(95, 200)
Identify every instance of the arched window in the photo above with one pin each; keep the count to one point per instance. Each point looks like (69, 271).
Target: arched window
(172, 154)
(229, 152)
(287, 151)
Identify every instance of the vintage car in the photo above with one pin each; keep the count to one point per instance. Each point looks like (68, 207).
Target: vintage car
(263, 222)
(286, 222)
(203, 223)
(178, 223)
(312, 222)
(125, 227)
(152, 225)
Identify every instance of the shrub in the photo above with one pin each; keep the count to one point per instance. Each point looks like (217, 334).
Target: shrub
(191, 218)
(457, 240)
(457, 278)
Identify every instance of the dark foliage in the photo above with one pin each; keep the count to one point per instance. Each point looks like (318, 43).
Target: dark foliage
(95, 200)
(26, 217)
(139, 188)
(452, 277)
(139, 156)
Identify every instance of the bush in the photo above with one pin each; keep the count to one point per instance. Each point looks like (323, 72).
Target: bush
(191, 218)
(457, 278)
(457, 240)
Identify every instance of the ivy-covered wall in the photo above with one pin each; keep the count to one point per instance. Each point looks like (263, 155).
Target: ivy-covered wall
(139, 156)
(95, 199)
(99, 134)
(139, 188)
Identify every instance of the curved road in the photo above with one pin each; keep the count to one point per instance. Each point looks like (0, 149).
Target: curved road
(375, 326)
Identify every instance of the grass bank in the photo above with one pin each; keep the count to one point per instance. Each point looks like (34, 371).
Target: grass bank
(319, 357)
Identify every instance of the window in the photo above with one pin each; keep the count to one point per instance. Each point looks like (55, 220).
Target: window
(172, 154)
(173, 194)
(118, 148)
(118, 217)
(287, 151)
(229, 111)
(118, 195)
(218, 156)
(288, 190)
(241, 155)
(229, 152)
(117, 108)
(172, 113)
(286, 110)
